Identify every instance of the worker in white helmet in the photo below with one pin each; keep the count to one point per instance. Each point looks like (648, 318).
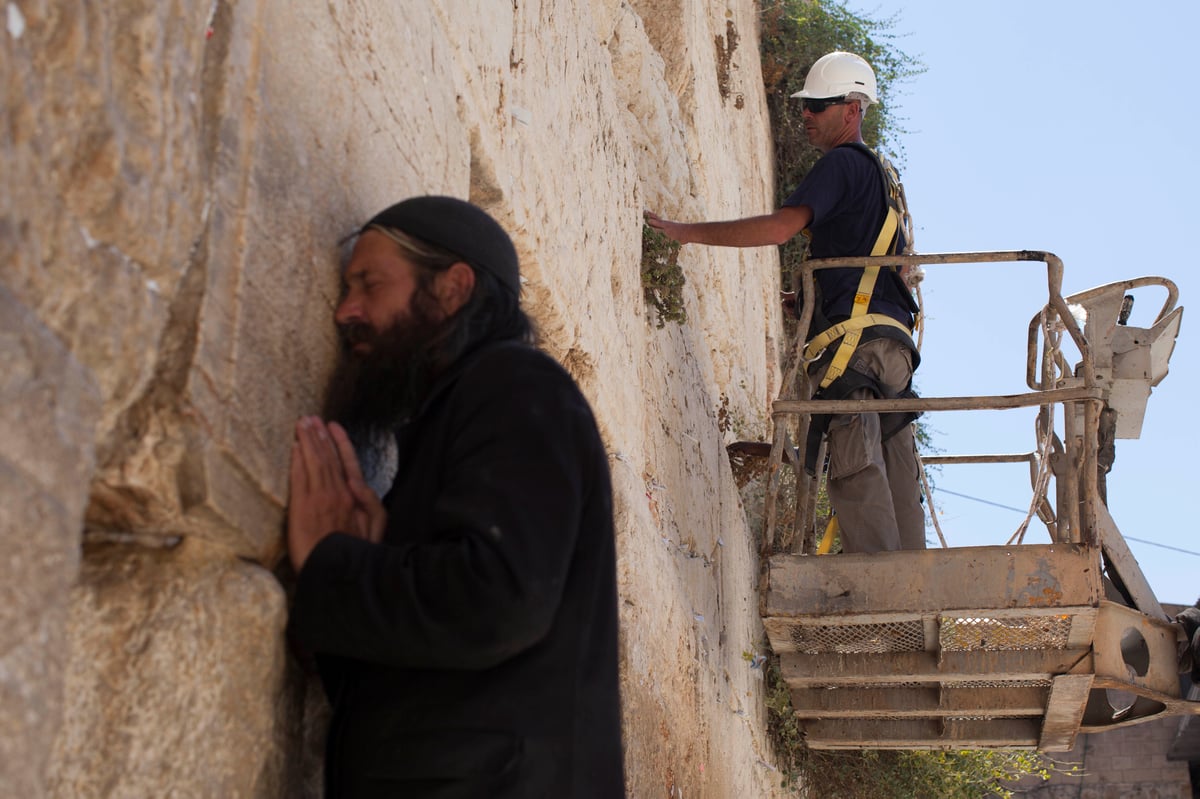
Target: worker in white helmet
(843, 206)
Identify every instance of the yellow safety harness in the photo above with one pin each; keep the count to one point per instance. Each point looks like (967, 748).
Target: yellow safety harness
(850, 331)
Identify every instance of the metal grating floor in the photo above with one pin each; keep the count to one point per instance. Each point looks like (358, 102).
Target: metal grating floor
(1025, 632)
(981, 647)
(900, 708)
(904, 636)
(955, 634)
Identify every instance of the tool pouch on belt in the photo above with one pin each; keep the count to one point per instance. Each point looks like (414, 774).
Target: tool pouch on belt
(833, 345)
(889, 423)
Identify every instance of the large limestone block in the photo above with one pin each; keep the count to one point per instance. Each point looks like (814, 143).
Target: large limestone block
(551, 159)
(650, 111)
(48, 409)
(303, 144)
(114, 115)
(161, 471)
(176, 680)
(101, 176)
(712, 69)
(328, 134)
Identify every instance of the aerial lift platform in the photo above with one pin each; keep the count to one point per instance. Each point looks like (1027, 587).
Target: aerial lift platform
(1020, 645)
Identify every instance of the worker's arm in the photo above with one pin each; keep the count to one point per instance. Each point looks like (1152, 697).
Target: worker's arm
(753, 231)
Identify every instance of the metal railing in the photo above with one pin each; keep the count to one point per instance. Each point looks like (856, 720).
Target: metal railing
(882, 649)
(1075, 467)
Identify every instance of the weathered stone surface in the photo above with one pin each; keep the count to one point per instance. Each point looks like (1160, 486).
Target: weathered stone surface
(712, 66)
(175, 180)
(176, 677)
(232, 176)
(103, 180)
(48, 410)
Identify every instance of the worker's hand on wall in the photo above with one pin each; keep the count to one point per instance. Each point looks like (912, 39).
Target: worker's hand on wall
(676, 231)
(328, 492)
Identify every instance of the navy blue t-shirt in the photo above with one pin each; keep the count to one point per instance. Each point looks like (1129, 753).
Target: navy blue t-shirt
(846, 194)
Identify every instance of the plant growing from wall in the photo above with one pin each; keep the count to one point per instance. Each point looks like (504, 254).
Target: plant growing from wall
(662, 277)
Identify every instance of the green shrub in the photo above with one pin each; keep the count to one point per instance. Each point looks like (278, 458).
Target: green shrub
(662, 278)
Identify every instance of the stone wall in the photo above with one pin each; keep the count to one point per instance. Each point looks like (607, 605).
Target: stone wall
(174, 181)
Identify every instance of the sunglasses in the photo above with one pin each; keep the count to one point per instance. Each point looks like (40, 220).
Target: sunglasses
(817, 106)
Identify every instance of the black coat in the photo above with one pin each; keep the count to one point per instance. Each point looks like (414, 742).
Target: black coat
(474, 652)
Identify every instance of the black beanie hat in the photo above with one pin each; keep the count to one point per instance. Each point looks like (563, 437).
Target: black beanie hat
(460, 227)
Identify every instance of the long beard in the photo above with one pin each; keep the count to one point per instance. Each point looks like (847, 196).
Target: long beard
(372, 393)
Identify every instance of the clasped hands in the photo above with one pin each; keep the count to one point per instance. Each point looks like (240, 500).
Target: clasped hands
(328, 492)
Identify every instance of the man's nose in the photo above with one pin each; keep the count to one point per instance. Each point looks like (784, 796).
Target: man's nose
(348, 310)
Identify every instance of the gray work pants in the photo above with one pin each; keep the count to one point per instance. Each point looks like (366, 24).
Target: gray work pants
(874, 485)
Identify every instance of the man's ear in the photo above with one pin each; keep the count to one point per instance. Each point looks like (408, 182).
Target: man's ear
(453, 287)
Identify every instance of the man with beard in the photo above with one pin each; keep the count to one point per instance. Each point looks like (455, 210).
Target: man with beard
(861, 346)
(465, 627)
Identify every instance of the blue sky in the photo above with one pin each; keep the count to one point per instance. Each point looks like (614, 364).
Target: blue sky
(1064, 127)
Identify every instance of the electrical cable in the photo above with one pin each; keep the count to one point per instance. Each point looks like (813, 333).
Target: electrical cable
(1023, 510)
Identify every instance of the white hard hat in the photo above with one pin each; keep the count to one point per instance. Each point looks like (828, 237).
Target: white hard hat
(836, 75)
